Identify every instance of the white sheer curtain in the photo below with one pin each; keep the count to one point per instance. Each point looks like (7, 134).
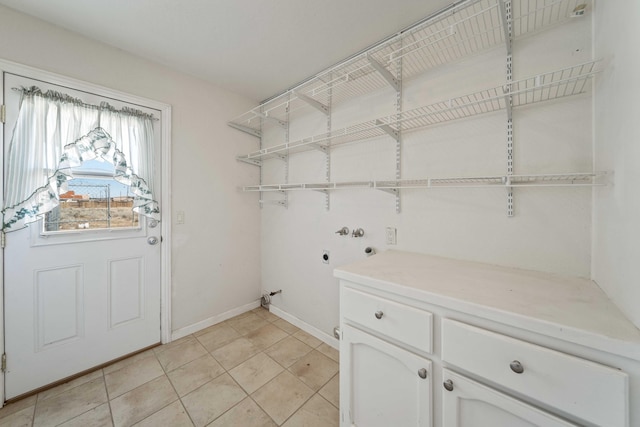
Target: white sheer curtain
(55, 133)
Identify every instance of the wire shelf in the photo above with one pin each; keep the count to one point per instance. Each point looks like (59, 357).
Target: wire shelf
(588, 179)
(543, 87)
(458, 31)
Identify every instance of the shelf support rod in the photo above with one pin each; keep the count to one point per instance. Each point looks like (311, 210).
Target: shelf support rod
(285, 157)
(393, 191)
(319, 147)
(388, 129)
(315, 104)
(398, 78)
(327, 153)
(283, 124)
(505, 12)
(261, 193)
(253, 162)
(507, 26)
(246, 129)
(386, 74)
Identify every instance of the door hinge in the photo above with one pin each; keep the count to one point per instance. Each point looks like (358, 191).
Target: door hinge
(4, 362)
(3, 113)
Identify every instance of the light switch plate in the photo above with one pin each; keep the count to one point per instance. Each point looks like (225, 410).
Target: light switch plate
(391, 236)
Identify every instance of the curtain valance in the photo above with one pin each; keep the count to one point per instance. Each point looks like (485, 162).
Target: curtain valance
(55, 133)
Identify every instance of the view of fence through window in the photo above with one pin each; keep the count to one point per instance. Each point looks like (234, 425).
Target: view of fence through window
(93, 204)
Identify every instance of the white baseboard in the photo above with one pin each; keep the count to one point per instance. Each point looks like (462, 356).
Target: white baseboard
(188, 330)
(326, 338)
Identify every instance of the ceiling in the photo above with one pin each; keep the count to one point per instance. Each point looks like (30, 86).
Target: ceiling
(257, 48)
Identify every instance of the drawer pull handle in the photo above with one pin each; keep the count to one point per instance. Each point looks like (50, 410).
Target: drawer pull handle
(379, 314)
(448, 385)
(422, 373)
(516, 367)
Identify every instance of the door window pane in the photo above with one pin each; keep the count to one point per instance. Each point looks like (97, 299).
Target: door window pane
(94, 200)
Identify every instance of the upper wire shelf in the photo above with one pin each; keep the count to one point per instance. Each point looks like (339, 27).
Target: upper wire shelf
(589, 179)
(461, 30)
(543, 87)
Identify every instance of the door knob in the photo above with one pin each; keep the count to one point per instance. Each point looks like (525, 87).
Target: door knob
(422, 373)
(152, 240)
(379, 314)
(448, 385)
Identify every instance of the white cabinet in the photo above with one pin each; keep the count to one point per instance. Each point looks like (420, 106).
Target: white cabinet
(385, 385)
(571, 385)
(470, 404)
(398, 322)
(501, 347)
(388, 381)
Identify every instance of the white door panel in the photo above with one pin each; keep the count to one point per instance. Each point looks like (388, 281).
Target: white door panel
(78, 299)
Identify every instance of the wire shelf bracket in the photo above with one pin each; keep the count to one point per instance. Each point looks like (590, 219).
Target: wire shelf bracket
(393, 191)
(319, 147)
(324, 109)
(282, 123)
(253, 162)
(246, 129)
(388, 130)
(386, 74)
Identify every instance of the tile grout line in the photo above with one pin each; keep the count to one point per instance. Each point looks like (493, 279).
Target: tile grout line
(33, 416)
(166, 374)
(315, 392)
(104, 380)
(249, 395)
(193, 337)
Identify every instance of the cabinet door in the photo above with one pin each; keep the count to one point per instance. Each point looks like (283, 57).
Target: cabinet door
(382, 384)
(470, 404)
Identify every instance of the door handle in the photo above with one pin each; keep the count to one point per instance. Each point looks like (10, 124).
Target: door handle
(152, 240)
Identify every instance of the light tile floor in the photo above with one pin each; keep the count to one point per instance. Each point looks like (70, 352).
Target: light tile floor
(252, 370)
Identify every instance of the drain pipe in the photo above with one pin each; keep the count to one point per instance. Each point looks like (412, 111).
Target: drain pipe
(266, 298)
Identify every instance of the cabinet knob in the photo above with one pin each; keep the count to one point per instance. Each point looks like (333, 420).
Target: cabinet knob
(379, 314)
(516, 367)
(448, 385)
(422, 373)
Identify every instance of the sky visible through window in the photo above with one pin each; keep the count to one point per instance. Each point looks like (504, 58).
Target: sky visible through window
(100, 170)
(93, 200)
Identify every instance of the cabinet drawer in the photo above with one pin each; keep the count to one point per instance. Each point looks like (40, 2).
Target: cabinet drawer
(471, 403)
(592, 392)
(400, 322)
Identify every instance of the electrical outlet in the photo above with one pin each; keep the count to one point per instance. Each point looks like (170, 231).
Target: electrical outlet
(180, 217)
(391, 236)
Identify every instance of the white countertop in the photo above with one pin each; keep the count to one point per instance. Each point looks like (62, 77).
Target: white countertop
(569, 308)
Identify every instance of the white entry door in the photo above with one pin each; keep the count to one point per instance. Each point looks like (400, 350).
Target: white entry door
(78, 294)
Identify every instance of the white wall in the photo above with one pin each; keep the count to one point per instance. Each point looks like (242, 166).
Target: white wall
(216, 254)
(616, 242)
(551, 229)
